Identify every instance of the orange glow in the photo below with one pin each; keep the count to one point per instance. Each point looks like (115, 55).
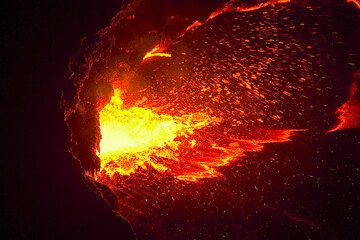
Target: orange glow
(131, 136)
(191, 145)
(356, 2)
(138, 137)
(229, 8)
(156, 52)
(349, 112)
(261, 5)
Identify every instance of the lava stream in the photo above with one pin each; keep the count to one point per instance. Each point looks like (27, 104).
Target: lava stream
(183, 146)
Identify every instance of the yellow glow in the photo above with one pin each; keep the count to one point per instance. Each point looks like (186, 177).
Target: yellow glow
(135, 136)
(155, 52)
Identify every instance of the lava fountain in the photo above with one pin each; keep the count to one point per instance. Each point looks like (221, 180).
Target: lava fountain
(177, 100)
(135, 136)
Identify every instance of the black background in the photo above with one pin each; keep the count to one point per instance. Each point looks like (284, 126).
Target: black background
(42, 192)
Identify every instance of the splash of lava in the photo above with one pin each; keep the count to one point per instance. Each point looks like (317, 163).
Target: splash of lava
(356, 2)
(223, 86)
(349, 112)
(214, 117)
(189, 146)
(229, 7)
(156, 52)
(138, 136)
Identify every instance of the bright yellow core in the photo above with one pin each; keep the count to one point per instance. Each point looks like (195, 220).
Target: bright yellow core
(132, 137)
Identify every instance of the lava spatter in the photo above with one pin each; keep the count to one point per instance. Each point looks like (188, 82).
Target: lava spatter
(194, 121)
(156, 52)
(136, 137)
(183, 146)
(226, 109)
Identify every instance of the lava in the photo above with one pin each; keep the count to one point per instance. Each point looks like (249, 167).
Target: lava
(188, 141)
(156, 52)
(138, 137)
(135, 136)
(356, 2)
(348, 114)
(229, 6)
(215, 99)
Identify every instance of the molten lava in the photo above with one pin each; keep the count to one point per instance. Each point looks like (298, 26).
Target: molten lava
(229, 7)
(156, 52)
(198, 131)
(207, 123)
(356, 2)
(137, 136)
(184, 146)
(349, 112)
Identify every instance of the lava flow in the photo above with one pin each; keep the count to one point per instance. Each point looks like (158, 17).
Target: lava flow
(138, 137)
(231, 6)
(156, 52)
(195, 101)
(190, 132)
(349, 112)
(135, 136)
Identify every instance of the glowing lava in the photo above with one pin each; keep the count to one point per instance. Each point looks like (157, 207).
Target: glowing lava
(132, 136)
(207, 109)
(356, 2)
(349, 112)
(156, 52)
(184, 146)
(202, 128)
(229, 7)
